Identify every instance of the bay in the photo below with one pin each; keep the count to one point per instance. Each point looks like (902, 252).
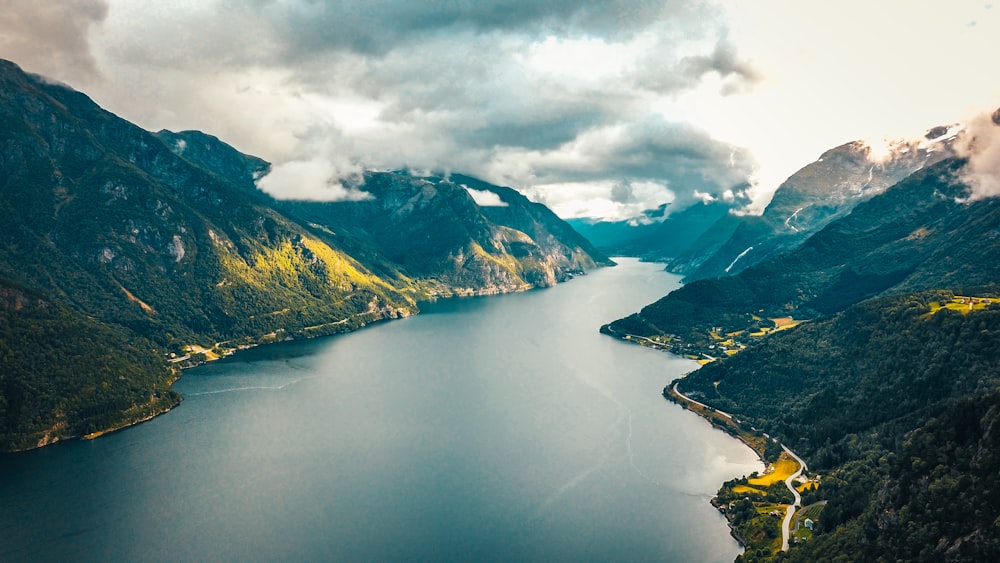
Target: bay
(498, 428)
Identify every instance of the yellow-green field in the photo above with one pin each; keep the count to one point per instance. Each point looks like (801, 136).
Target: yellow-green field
(963, 304)
(751, 490)
(785, 323)
(781, 470)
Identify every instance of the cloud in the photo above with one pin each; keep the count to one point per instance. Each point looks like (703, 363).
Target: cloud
(737, 75)
(668, 75)
(308, 29)
(980, 144)
(688, 99)
(517, 92)
(314, 180)
(669, 154)
(485, 198)
(623, 192)
(51, 38)
(644, 202)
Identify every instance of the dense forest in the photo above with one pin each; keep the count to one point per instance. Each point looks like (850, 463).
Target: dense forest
(49, 355)
(895, 407)
(918, 235)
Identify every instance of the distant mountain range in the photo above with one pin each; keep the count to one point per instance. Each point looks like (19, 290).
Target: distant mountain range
(127, 254)
(888, 385)
(707, 240)
(916, 235)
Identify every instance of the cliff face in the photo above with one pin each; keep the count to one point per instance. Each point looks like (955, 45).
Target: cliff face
(434, 228)
(819, 193)
(161, 244)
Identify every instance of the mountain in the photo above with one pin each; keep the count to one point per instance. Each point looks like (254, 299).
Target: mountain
(816, 195)
(125, 255)
(656, 238)
(897, 409)
(919, 234)
(209, 153)
(433, 228)
(871, 350)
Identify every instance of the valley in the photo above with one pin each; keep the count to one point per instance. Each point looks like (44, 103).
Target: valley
(847, 330)
(849, 347)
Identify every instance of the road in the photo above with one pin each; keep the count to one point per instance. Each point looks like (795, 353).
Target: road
(786, 524)
(702, 405)
(789, 482)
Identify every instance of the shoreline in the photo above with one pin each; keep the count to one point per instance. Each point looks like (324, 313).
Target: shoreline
(304, 333)
(756, 442)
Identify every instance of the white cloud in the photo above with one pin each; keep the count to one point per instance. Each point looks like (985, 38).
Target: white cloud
(485, 198)
(566, 95)
(603, 199)
(52, 38)
(313, 180)
(980, 143)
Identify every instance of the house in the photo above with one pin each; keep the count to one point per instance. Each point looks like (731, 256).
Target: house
(808, 523)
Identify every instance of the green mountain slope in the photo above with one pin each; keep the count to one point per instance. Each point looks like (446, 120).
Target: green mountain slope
(896, 408)
(434, 229)
(916, 235)
(160, 247)
(661, 238)
(890, 391)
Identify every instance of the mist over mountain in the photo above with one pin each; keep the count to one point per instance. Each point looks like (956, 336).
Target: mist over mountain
(887, 386)
(138, 253)
(718, 237)
(655, 239)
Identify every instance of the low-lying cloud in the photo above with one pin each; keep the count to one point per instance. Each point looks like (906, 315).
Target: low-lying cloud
(314, 180)
(485, 198)
(980, 144)
(568, 100)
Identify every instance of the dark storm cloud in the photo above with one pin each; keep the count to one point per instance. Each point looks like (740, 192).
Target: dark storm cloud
(50, 37)
(736, 74)
(622, 192)
(376, 27)
(666, 75)
(685, 157)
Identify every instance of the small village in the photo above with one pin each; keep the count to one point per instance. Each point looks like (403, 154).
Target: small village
(718, 343)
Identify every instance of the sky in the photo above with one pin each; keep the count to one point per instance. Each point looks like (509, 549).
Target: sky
(598, 108)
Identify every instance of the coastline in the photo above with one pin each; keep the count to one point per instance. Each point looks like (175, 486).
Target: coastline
(760, 444)
(201, 355)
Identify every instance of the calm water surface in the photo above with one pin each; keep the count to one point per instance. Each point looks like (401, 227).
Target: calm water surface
(500, 428)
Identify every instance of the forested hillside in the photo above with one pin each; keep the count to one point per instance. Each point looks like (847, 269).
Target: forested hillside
(896, 409)
(125, 255)
(917, 235)
(872, 350)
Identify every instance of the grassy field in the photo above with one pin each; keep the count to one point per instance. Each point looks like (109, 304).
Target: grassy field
(745, 489)
(803, 487)
(811, 512)
(963, 304)
(781, 470)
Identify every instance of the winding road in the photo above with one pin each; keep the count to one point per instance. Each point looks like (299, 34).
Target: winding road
(789, 482)
(790, 511)
(702, 405)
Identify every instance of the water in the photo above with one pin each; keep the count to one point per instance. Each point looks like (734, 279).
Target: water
(500, 428)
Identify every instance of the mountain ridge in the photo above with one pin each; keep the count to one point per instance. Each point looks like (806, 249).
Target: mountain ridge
(870, 349)
(815, 195)
(161, 245)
